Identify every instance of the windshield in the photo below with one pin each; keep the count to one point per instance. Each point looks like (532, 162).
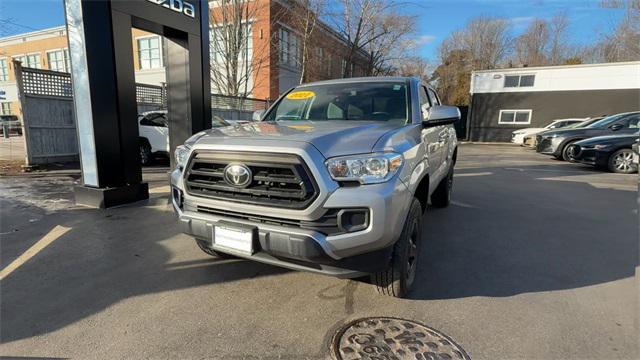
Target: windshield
(377, 101)
(606, 121)
(582, 124)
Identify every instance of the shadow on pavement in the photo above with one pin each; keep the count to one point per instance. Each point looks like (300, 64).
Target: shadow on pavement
(501, 240)
(108, 256)
(497, 240)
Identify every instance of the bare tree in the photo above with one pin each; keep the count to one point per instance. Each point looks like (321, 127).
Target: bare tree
(623, 44)
(545, 43)
(484, 43)
(304, 17)
(389, 50)
(413, 66)
(531, 47)
(235, 61)
(486, 39)
(559, 47)
(371, 27)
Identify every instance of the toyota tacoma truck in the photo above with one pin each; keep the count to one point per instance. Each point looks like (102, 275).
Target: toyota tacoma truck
(333, 178)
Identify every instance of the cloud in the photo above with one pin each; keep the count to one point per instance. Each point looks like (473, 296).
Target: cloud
(521, 20)
(424, 40)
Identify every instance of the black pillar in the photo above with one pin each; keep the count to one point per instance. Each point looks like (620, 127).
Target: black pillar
(101, 53)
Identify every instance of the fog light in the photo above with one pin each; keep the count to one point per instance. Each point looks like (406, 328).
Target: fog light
(350, 220)
(178, 198)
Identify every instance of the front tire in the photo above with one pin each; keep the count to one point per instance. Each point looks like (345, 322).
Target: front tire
(565, 151)
(398, 278)
(441, 197)
(621, 162)
(204, 246)
(145, 153)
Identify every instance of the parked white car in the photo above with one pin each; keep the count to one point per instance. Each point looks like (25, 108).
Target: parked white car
(153, 131)
(517, 137)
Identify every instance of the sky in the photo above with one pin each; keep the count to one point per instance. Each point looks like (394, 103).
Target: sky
(436, 18)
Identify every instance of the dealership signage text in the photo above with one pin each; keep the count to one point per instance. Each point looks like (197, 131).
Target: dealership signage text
(177, 6)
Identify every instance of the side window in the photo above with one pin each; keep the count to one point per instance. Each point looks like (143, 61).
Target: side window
(632, 121)
(424, 103)
(157, 120)
(435, 100)
(334, 112)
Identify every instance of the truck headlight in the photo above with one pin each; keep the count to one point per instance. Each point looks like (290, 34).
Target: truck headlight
(182, 155)
(366, 168)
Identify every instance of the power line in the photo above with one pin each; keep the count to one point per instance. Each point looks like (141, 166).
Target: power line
(9, 21)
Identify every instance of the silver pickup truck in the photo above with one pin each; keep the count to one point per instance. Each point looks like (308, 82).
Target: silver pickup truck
(334, 179)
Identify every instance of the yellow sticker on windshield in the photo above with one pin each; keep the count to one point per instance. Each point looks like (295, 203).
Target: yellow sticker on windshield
(301, 95)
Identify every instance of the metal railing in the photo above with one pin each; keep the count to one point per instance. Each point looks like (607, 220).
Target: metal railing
(225, 102)
(151, 95)
(46, 83)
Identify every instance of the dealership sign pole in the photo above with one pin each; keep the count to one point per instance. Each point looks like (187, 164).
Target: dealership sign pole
(103, 77)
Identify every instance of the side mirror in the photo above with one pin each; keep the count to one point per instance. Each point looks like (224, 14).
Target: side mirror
(616, 127)
(442, 115)
(257, 115)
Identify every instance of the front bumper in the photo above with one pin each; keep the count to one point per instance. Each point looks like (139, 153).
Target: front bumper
(548, 146)
(590, 156)
(349, 254)
(517, 138)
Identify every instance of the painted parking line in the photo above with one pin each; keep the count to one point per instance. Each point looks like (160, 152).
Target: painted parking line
(473, 174)
(50, 237)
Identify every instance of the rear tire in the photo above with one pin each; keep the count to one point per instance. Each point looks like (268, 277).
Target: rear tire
(441, 197)
(398, 278)
(204, 246)
(621, 162)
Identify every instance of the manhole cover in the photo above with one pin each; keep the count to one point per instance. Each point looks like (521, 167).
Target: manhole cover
(393, 339)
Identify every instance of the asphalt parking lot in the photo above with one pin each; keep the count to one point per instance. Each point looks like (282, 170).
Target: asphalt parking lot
(535, 259)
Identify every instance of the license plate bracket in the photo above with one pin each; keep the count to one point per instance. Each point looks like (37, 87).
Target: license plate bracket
(235, 237)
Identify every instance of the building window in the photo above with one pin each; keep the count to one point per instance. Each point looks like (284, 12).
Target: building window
(29, 60)
(515, 117)
(149, 52)
(343, 68)
(5, 108)
(329, 64)
(67, 60)
(4, 70)
(289, 46)
(220, 52)
(519, 80)
(58, 60)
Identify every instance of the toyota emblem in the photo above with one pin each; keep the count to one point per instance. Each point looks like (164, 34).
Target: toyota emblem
(238, 175)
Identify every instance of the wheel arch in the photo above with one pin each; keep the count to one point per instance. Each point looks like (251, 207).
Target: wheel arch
(144, 140)
(422, 192)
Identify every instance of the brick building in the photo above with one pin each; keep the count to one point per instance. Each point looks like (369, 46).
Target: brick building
(273, 52)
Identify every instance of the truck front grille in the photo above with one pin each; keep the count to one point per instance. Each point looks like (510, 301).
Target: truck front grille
(327, 224)
(278, 180)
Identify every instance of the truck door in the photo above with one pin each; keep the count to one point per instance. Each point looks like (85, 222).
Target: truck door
(431, 140)
(444, 134)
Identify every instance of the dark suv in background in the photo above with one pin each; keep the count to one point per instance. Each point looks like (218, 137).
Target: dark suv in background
(557, 142)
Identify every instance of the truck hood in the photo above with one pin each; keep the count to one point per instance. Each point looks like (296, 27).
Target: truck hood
(331, 138)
